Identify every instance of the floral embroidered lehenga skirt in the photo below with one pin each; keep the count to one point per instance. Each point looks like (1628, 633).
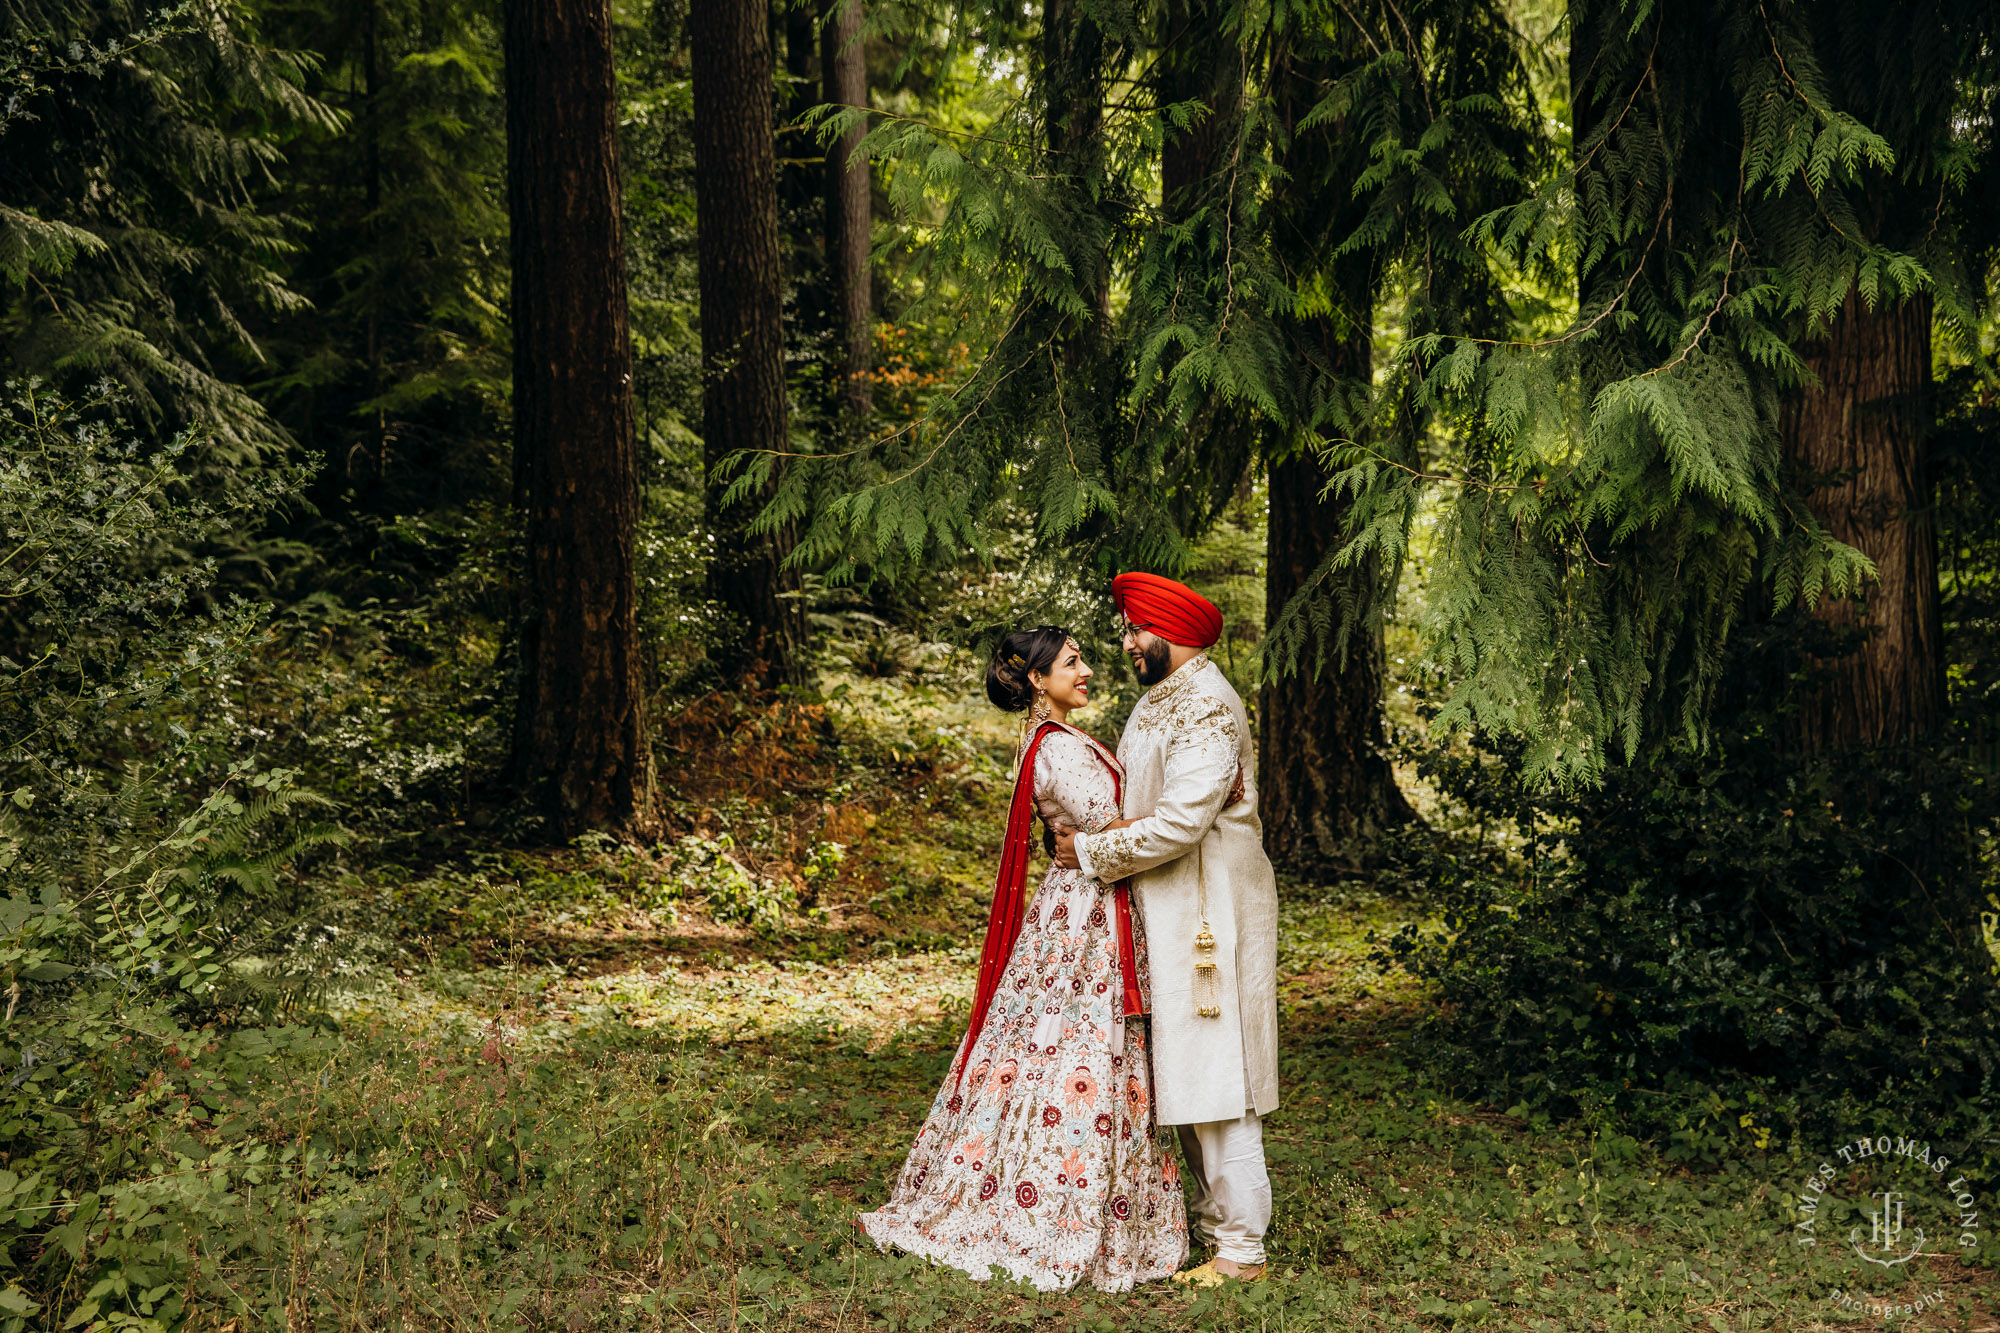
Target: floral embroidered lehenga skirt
(1043, 1161)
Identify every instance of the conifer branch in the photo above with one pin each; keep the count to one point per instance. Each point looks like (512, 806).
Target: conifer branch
(901, 477)
(1062, 413)
(1229, 233)
(1785, 70)
(1362, 28)
(1631, 278)
(1597, 140)
(1734, 244)
(1417, 474)
(816, 119)
(908, 429)
(1416, 59)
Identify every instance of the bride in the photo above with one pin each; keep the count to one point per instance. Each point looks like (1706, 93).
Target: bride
(1039, 1156)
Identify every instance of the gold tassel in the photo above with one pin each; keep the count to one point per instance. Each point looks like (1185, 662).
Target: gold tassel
(1208, 989)
(1207, 981)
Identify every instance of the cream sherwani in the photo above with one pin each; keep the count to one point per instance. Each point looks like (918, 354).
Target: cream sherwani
(1183, 749)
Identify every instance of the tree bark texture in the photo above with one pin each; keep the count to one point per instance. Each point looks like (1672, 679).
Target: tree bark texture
(849, 213)
(742, 333)
(1200, 64)
(1328, 790)
(579, 730)
(1858, 441)
(1073, 113)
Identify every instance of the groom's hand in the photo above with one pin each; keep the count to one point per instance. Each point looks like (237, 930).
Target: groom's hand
(1066, 847)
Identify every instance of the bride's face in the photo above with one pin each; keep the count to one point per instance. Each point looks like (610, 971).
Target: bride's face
(1067, 682)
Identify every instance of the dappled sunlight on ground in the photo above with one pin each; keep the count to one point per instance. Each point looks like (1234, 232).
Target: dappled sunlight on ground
(1325, 966)
(1400, 1206)
(869, 1000)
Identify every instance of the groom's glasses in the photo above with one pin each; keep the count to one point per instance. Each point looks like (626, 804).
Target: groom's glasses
(1134, 631)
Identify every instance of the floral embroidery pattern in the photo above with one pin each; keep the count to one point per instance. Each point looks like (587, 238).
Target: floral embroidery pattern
(1020, 1170)
(1197, 720)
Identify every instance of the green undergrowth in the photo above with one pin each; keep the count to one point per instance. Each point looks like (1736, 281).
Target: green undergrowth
(866, 822)
(619, 1087)
(685, 1146)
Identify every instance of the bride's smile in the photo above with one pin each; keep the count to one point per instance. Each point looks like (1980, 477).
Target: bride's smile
(1066, 684)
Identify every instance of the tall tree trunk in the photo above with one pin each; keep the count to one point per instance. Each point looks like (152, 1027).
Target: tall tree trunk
(1203, 190)
(579, 729)
(798, 180)
(742, 333)
(1858, 439)
(1073, 75)
(811, 311)
(849, 214)
(1328, 790)
(371, 120)
(1072, 59)
(1200, 64)
(801, 172)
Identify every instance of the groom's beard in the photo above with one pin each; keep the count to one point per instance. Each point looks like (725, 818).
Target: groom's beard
(1153, 663)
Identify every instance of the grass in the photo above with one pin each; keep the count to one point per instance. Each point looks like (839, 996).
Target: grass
(575, 1100)
(682, 1146)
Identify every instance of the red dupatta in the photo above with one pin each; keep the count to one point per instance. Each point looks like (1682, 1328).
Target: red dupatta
(1010, 898)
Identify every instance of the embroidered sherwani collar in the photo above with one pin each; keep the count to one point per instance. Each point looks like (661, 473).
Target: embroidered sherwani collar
(1179, 679)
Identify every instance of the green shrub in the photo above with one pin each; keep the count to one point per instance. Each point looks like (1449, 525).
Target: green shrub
(1728, 947)
(136, 920)
(709, 869)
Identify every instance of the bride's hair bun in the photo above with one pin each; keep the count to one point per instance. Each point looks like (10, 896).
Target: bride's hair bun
(1022, 652)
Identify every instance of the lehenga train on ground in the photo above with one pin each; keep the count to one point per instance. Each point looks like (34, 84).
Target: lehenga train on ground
(1039, 1156)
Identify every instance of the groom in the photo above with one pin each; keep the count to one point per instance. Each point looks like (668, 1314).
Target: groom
(1195, 853)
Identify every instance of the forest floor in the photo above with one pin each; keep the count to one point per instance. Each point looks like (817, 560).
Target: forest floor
(570, 1108)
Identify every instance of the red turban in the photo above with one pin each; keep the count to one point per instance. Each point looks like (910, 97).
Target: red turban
(1173, 611)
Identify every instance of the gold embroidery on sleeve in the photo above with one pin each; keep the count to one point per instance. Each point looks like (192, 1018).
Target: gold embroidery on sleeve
(1200, 719)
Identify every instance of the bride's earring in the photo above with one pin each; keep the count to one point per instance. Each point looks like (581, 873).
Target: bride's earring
(1032, 718)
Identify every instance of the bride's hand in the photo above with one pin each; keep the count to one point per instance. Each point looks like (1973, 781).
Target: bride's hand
(1064, 835)
(1065, 845)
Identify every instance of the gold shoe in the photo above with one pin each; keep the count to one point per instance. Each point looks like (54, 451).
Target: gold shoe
(1207, 1276)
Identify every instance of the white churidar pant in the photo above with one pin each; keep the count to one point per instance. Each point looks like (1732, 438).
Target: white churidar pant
(1229, 1191)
